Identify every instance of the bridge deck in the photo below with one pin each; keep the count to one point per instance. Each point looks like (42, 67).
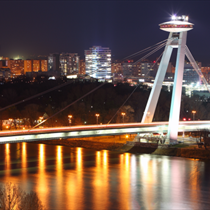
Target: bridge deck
(96, 130)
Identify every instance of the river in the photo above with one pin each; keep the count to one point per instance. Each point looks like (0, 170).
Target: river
(78, 178)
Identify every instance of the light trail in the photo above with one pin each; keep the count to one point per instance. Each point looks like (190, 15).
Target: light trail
(96, 130)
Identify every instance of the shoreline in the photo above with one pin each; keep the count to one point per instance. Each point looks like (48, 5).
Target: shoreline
(124, 145)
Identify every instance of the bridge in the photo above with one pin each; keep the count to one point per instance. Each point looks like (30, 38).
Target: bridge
(177, 39)
(96, 130)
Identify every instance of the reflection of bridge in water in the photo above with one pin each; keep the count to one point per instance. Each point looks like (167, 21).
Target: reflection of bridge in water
(96, 130)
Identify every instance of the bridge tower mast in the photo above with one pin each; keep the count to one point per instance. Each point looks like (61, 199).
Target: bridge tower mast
(178, 28)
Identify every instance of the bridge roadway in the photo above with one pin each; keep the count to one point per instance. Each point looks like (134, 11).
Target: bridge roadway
(96, 130)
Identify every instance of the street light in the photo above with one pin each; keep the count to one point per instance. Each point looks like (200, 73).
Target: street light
(97, 115)
(193, 112)
(69, 117)
(123, 115)
(40, 119)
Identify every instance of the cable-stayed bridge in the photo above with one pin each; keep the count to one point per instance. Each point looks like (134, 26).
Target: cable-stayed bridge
(177, 39)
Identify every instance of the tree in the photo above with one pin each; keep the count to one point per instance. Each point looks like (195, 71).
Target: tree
(12, 197)
(31, 112)
(129, 114)
(15, 114)
(31, 201)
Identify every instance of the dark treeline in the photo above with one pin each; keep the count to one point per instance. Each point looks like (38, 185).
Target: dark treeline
(105, 101)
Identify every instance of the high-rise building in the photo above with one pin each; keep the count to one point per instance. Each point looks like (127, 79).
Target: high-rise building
(53, 62)
(127, 69)
(44, 65)
(28, 66)
(69, 63)
(36, 65)
(81, 67)
(98, 62)
(16, 67)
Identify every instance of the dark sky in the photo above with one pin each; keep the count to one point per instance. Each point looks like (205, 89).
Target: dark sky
(39, 28)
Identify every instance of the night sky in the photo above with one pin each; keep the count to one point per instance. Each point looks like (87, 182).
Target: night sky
(39, 28)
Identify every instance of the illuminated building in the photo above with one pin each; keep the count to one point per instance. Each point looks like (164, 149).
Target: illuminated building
(53, 62)
(127, 69)
(190, 74)
(116, 68)
(16, 67)
(136, 71)
(44, 65)
(146, 68)
(27, 66)
(206, 73)
(35, 65)
(98, 62)
(69, 63)
(81, 67)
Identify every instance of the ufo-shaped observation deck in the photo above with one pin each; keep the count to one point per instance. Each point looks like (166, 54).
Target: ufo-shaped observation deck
(176, 26)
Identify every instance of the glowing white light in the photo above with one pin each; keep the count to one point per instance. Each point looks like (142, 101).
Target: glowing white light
(173, 17)
(51, 78)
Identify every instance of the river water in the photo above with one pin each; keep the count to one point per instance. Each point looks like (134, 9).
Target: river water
(78, 178)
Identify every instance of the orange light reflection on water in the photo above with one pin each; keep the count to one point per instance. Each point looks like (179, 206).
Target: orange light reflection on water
(124, 181)
(59, 176)
(7, 160)
(24, 162)
(97, 182)
(24, 156)
(74, 186)
(101, 181)
(194, 182)
(149, 178)
(42, 185)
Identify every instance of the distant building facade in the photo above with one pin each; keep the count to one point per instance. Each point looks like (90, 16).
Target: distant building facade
(35, 66)
(28, 66)
(190, 75)
(98, 62)
(116, 68)
(82, 67)
(53, 62)
(69, 63)
(16, 67)
(127, 69)
(44, 65)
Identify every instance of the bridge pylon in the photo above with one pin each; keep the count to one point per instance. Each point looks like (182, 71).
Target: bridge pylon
(177, 29)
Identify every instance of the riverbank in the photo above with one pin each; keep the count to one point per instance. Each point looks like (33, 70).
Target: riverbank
(187, 152)
(126, 144)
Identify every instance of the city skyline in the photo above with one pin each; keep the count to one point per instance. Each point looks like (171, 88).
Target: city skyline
(30, 28)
